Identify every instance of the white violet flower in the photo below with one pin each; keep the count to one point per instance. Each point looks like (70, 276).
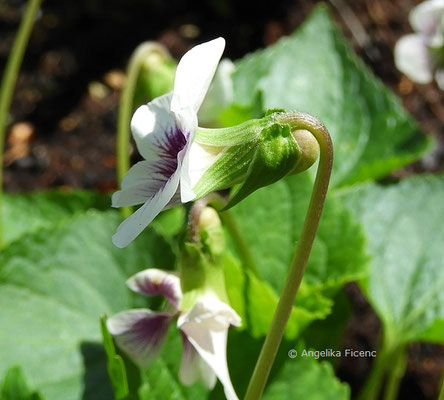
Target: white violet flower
(204, 329)
(164, 130)
(420, 55)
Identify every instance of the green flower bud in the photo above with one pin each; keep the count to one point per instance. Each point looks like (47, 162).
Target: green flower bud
(211, 232)
(309, 148)
(156, 75)
(251, 155)
(200, 265)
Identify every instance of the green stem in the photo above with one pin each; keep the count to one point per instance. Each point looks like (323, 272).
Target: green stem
(136, 61)
(8, 84)
(398, 365)
(240, 243)
(373, 385)
(297, 268)
(441, 393)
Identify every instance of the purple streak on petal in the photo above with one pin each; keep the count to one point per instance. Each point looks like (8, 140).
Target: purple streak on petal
(130, 228)
(169, 147)
(153, 282)
(140, 333)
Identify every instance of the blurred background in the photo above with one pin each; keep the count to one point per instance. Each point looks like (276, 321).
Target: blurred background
(65, 105)
(63, 116)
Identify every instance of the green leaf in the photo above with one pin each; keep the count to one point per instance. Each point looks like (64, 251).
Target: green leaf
(115, 365)
(271, 220)
(255, 301)
(315, 71)
(54, 284)
(15, 387)
(315, 336)
(29, 212)
(308, 379)
(170, 222)
(405, 233)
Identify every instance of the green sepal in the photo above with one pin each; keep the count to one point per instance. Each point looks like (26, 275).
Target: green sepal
(253, 154)
(200, 272)
(232, 136)
(272, 111)
(230, 168)
(276, 155)
(115, 365)
(15, 387)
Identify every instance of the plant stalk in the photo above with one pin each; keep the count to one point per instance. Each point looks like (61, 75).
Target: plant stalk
(441, 393)
(374, 382)
(241, 245)
(8, 83)
(126, 108)
(396, 372)
(300, 259)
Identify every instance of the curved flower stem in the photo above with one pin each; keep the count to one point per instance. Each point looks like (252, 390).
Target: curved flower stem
(126, 107)
(297, 268)
(398, 365)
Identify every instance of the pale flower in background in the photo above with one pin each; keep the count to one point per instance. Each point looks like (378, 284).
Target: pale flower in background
(420, 55)
(220, 95)
(204, 329)
(164, 130)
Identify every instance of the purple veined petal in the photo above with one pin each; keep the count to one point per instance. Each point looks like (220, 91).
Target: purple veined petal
(143, 181)
(412, 58)
(140, 333)
(425, 18)
(153, 282)
(193, 77)
(131, 227)
(155, 130)
(193, 368)
(206, 327)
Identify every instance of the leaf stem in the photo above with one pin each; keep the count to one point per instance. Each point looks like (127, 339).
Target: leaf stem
(240, 243)
(374, 382)
(297, 268)
(398, 365)
(136, 61)
(8, 83)
(389, 366)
